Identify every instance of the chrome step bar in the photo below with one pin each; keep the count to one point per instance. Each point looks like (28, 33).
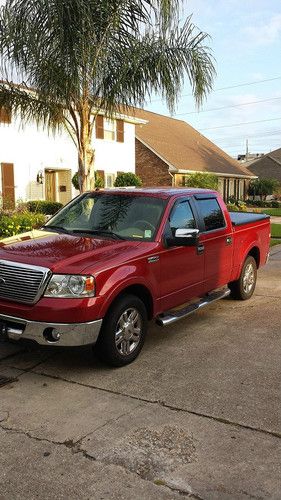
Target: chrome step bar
(170, 317)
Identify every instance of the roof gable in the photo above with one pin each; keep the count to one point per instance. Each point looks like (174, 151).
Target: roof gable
(182, 147)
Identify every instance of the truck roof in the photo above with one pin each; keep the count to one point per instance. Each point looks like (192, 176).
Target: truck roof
(160, 192)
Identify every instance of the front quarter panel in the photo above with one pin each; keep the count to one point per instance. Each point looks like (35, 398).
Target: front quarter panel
(111, 282)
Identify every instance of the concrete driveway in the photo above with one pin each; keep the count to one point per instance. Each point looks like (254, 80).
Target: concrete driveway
(197, 415)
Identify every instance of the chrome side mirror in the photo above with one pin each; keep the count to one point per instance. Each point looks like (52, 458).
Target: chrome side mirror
(183, 237)
(186, 233)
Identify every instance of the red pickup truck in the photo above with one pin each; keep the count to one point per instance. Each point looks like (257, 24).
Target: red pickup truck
(111, 260)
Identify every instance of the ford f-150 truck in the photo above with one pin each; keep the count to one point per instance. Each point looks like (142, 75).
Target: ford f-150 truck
(111, 260)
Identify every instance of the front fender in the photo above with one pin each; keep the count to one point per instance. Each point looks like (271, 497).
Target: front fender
(109, 287)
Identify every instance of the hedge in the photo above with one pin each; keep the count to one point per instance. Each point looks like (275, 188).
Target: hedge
(263, 204)
(19, 223)
(44, 207)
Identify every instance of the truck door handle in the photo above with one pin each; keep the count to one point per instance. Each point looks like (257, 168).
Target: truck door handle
(228, 240)
(200, 249)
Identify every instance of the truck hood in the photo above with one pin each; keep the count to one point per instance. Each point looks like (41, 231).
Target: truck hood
(63, 253)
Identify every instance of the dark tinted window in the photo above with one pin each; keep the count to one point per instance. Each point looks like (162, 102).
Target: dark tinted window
(211, 213)
(182, 217)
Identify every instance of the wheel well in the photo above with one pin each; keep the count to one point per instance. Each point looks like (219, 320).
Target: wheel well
(254, 252)
(142, 293)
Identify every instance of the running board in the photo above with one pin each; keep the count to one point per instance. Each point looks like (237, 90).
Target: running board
(170, 317)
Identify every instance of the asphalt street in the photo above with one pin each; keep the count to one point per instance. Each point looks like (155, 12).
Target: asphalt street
(197, 415)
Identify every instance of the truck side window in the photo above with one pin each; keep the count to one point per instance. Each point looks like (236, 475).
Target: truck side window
(211, 213)
(181, 217)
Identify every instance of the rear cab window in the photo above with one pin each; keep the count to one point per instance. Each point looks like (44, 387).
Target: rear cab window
(211, 214)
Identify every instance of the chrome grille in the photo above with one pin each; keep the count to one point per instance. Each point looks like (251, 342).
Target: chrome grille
(22, 282)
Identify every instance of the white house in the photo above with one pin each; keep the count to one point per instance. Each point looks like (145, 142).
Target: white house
(37, 165)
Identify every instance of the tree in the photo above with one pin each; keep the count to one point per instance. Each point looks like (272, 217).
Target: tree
(262, 187)
(85, 57)
(202, 180)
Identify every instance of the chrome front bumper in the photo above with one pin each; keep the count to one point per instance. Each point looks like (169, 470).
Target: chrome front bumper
(59, 334)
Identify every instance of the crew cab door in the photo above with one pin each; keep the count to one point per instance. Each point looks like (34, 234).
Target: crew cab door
(182, 267)
(216, 240)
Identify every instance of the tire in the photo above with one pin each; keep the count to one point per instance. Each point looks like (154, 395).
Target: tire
(244, 287)
(122, 349)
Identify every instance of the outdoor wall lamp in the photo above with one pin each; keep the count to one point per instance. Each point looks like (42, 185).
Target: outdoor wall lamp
(40, 177)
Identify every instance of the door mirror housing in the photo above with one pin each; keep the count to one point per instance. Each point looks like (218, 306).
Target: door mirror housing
(183, 237)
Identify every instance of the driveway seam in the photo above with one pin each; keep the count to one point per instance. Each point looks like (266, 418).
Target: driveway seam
(73, 446)
(168, 406)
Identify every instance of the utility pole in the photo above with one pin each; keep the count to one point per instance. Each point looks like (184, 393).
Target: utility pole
(247, 150)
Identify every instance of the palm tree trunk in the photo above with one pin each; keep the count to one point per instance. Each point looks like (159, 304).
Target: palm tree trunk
(86, 154)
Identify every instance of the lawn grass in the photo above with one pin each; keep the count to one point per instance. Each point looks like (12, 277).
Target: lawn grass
(276, 230)
(275, 242)
(271, 211)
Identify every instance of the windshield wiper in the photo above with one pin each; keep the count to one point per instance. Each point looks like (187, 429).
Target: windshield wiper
(102, 232)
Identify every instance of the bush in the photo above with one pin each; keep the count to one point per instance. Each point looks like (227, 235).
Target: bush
(99, 182)
(44, 207)
(19, 223)
(239, 206)
(263, 187)
(201, 180)
(125, 179)
(263, 204)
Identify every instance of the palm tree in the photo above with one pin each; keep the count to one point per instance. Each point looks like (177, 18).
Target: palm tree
(84, 57)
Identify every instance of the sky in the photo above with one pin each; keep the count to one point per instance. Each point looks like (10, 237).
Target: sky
(246, 43)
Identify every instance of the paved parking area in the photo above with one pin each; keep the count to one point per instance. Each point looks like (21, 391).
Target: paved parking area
(197, 415)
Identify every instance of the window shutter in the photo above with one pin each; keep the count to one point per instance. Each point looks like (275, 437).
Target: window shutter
(120, 130)
(5, 115)
(99, 127)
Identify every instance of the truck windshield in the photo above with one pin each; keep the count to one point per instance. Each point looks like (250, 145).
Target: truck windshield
(127, 217)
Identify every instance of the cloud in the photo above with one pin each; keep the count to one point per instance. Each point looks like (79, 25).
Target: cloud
(266, 33)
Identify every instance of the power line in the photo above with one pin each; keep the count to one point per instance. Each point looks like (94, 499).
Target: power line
(226, 107)
(239, 124)
(241, 137)
(231, 87)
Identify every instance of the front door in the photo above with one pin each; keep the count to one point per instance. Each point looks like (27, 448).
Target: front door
(50, 185)
(182, 268)
(8, 185)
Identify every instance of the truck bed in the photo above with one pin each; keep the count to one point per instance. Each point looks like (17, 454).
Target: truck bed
(241, 218)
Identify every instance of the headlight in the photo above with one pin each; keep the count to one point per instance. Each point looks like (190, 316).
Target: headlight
(70, 286)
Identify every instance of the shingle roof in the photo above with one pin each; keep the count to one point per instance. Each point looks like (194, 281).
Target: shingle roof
(183, 147)
(268, 165)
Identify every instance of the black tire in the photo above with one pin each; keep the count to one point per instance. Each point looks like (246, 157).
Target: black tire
(110, 347)
(244, 287)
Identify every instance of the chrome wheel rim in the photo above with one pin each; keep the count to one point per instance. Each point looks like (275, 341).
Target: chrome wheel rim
(249, 278)
(128, 331)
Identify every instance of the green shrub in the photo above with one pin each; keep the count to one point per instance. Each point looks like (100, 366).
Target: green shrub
(239, 206)
(201, 180)
(99, 182)
(263, 204)
(19, 223)
(125, 179)
(44, 207)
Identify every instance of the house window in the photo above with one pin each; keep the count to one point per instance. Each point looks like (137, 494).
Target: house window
(109, 130)
(5, 115)
(109, 180)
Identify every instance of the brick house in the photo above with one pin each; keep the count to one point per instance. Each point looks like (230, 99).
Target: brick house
(268, 165)
(168, 150)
